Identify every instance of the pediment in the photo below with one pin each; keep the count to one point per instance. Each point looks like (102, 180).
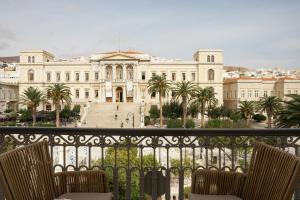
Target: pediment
(119, 56)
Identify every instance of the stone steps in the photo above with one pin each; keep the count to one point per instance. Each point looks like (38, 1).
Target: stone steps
(102, 115)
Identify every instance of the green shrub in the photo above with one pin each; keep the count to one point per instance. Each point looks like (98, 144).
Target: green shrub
(154, 112)
(172, 110)
(215, 123)
(259, 117)
(147, 120)
(190, 123)
(8, 110)
(186, 192)
(174, 123)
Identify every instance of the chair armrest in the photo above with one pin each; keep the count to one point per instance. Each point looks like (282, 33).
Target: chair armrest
(81, 181)
(217, 182)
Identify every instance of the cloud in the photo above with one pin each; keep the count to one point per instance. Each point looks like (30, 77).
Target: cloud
(291, 43)
(6, 36)
(4, 45)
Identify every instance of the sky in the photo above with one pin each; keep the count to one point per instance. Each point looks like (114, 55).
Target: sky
(256, 33)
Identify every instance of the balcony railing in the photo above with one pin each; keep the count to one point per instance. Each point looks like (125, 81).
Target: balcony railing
(143, 158)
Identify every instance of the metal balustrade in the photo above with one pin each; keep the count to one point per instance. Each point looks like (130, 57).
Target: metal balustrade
(113, 149)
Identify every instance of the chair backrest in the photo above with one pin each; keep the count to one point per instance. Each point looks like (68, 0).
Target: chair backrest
(272, 174)
(27, 173)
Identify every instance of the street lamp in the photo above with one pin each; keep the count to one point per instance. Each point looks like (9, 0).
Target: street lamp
(130, 114)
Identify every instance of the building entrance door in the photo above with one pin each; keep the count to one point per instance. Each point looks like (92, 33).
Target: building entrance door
(119, 94)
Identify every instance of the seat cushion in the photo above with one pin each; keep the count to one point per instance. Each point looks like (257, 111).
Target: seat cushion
(85, 196)
(212, 197)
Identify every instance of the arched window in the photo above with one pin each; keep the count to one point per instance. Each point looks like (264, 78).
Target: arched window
(33, 59)
(208, 58)
(108, 72)
(30, 75)
(119, 70)
(29, 59)
(211, 75)
(212, 58)
(129, 73)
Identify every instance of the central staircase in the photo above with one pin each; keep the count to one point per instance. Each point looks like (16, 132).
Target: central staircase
(111, 115)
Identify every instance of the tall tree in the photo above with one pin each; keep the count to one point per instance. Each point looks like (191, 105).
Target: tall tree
(290, 115)
(160, 85)
(32, 97)
(185, 91)
(270, 105)
(205, 97)
(59, 93)
(247, 108)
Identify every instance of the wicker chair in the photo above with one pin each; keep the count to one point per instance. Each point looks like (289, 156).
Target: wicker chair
(27, 173)
(272, 175)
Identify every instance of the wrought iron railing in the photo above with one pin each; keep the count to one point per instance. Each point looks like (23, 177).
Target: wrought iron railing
(151, 161)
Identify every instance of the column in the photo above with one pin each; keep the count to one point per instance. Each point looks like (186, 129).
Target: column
(124, 72)
(124, 93)
(113, 95)
(113, 72)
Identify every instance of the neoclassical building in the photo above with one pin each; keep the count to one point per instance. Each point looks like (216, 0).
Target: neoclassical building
(120, 76)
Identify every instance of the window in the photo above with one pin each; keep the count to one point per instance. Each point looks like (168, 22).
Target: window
(67, 76)
(119, 71)
(86, 75)
(47, 60)
(33, 59)
(272, 93)
(164, 75)
(249, 93)
(77, 93)
(58, 76)
(153, 95)
(208, 58)
(211, 74)
(256, 93)
(48, 76)
(87, 94)
(265, 93)
(183, 76)
(295, 91)
(77, 76)
(173, 76)
(143, 75)
(48, 107)
(96, 76)
(153, 74)
(96, 94)
(212, 58)
(129, 74)
(243, 94)
(108, 72)
(193, 76)
(29, 59)
(30, 75)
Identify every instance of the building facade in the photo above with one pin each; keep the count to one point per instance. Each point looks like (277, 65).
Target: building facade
(252, 89)
(8, 96)
(118, 76)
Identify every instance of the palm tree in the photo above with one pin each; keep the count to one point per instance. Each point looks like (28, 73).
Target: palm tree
(290, 115)
(205, 96)
(270, 105)
(185, 91)
(58, 93)
(247, 108)
(159, 84)
(32, 97)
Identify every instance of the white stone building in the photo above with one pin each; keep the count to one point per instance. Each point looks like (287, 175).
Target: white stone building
(118, 76)
(252, 89)
(8, 96)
